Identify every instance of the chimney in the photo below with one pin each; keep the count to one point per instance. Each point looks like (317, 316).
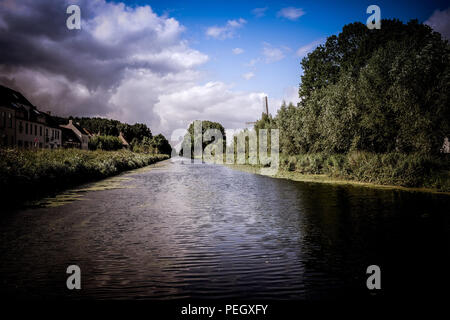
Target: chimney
(49, 113)
(70, 121)
(267, 105)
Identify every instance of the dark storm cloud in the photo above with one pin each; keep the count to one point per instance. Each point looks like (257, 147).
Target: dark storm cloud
(77, 71)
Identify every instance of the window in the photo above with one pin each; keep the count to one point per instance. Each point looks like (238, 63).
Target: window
(19, 143)
(26, 128)
(3, 123)
(10, 119)
(40, 131)
(20, 127)
(35, 130)
(46, 132)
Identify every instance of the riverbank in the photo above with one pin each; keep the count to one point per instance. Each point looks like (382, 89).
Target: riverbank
(393, 171)
(28, 174)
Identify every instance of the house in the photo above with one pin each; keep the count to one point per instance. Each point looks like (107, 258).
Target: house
(23, 125)
(70, 139)
(81, 134)
(125, 144)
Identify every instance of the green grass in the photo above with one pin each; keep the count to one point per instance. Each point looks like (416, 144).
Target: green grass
(27, 173)
(399, 169)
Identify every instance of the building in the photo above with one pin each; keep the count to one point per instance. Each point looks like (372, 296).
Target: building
(23, 125)
(80, 133)
(125, 144)
(70, 139)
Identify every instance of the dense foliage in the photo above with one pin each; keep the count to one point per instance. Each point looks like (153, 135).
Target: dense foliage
(24, 172)
(109, 127)
(191, 137)
(108, 143)
(157, 144)
(408, 170)
(374, 107)
(379, 91)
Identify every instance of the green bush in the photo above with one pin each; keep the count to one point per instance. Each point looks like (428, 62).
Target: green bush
(408, 170)
(108, 143)
(23, 171)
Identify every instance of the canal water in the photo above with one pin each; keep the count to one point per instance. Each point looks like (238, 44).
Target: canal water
(178, 230)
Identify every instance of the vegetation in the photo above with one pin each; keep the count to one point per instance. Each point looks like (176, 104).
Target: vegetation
(113, 128)
(157, 144)
(191, 136)
(107, 143)
(374, 107)
(379, 91)
(138, 135)
(407, 170)
(109, 127)
(28, 172)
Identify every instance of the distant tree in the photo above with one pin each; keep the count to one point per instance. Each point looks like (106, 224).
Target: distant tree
(161, 145)
(107, 143)
(206, 125)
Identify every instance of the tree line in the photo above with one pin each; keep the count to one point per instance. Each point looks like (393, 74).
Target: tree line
(106, 132)
(380, 90)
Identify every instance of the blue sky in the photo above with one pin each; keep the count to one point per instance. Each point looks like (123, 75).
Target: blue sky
(270, 30)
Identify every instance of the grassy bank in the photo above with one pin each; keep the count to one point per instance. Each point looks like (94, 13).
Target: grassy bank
(427, 173)
(26, 174)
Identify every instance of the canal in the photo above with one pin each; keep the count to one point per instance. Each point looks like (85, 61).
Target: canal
(177, 230)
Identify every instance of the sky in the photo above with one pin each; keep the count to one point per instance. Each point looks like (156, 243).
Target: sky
(167, 63)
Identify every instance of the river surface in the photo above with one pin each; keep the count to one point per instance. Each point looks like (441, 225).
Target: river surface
(175, 230)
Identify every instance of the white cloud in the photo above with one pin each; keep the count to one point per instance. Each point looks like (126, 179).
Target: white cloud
(272, 54)
(440, 22)
(213, 101)
(248, 75)
(259, 12)
(303, 51)
(236, 23)
(128, 63)
(252, 62)
(291, 13)
(237, 51)
(226, 32)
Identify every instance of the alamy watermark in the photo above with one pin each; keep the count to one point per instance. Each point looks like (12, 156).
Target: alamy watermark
(73, 22)
(374, 280)
(252, 147)
(74, 280)
(374, 20)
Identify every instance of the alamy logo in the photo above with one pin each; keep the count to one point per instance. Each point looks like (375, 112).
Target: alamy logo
(255, 147)
(374, 21)
(374, 280)
(74, 280)
(74, 20)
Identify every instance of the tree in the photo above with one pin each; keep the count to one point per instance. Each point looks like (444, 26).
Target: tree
(161, 145)
(191, 137)
(374, 90)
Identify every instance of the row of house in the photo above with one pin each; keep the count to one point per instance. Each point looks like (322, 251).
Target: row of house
(23, 125)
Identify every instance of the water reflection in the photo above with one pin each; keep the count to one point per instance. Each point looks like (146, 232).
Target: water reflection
(207, 231)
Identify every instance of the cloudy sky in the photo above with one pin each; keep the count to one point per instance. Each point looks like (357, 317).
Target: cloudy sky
(166, 63)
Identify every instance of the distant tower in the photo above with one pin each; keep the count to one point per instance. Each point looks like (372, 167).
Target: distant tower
(266, 105)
